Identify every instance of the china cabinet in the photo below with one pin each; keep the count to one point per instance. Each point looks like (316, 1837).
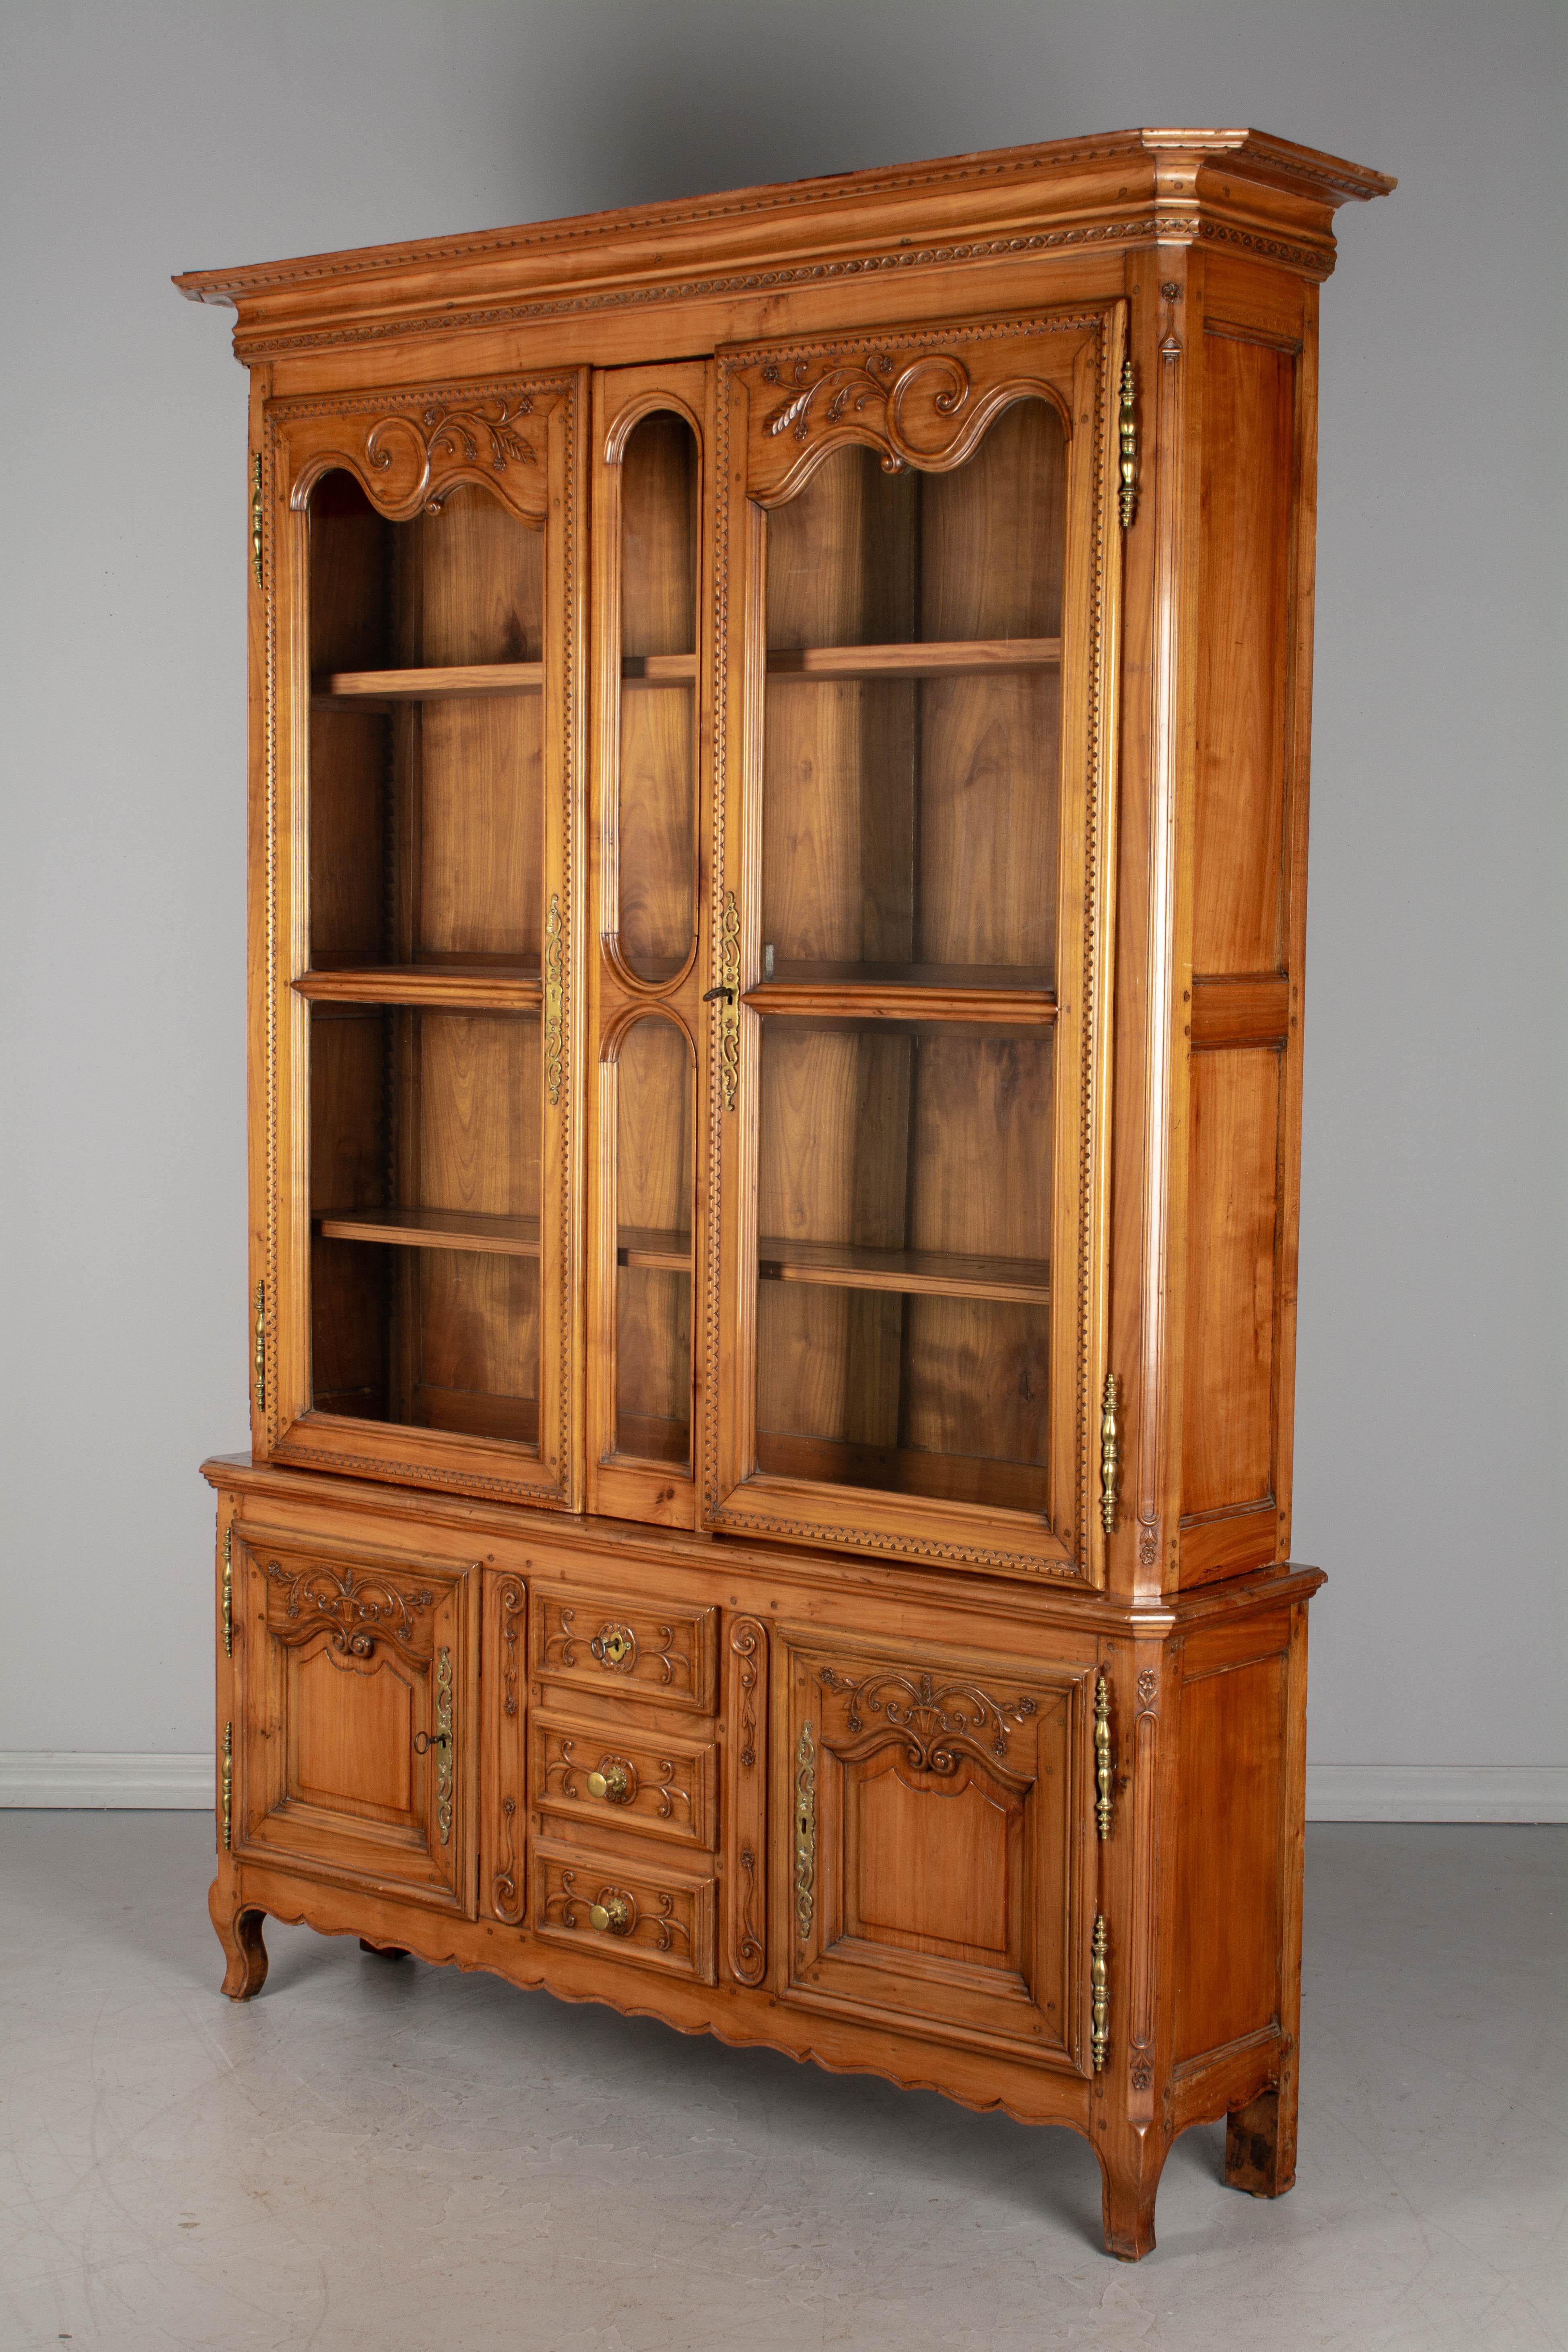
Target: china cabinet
(778, 793)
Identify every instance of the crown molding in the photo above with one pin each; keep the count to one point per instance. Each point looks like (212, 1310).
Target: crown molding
(1126, 188)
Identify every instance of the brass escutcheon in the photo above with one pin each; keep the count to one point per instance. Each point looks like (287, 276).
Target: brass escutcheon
(614, 1645)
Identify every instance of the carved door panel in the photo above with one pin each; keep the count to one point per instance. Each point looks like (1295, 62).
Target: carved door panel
(917, 569)
(357, 1756)
(939, 1828)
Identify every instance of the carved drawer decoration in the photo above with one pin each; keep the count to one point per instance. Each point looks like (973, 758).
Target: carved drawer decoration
(655, 1784)
(632, 1911)
(358, 1731)
(941, 1830)
(668, 1657)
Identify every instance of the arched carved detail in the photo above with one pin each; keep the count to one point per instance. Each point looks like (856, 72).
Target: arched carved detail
(923, 411)
(656, 402)
(410, 460)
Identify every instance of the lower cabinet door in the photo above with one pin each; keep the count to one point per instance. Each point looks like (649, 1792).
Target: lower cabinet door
(941, 1811)
(359, 1705)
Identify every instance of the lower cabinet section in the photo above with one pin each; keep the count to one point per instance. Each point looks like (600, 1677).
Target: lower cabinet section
(1024, 1849)
(358, 1720)
(942, 1812)
(633, 1910)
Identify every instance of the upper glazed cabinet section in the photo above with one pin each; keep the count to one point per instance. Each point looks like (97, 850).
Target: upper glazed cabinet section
(916, 593)
(421, 754)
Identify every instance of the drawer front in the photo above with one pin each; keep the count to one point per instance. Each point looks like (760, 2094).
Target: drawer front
(655, 1784)
(661, 1918)
(668, 1657)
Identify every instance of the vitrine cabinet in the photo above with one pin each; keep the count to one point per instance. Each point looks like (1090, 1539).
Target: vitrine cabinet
(778, 808)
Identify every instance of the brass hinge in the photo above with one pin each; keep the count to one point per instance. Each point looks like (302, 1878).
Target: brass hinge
(227, 1786)
(228, 1592)
(805, 1832)
(1127, 427)
(1099, 2028)
(261, 1347)
(1110, 1451)
(1102, 1756)
(255, 517)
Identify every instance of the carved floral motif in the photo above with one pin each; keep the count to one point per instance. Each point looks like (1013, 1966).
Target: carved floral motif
(934, 1722)
(356, 1609)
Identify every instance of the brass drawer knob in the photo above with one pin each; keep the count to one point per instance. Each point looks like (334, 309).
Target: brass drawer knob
(613, 1784)
(612, 1914)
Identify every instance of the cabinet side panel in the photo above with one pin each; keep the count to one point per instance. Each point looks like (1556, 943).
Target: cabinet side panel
(1228, 1441)
(1244, 671)
(1227, 1952)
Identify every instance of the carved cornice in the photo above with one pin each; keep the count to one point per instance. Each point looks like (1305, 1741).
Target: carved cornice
(1315, 261)
(1041, 172)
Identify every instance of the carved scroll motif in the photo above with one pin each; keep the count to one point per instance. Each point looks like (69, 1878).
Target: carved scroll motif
(356, 1610)
(937, 1725)
(745, 1704)
(922, 408)
(411, 460)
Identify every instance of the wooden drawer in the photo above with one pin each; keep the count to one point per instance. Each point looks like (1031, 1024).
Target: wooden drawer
(657, 1783)
(661, 1918)
(666, 1656)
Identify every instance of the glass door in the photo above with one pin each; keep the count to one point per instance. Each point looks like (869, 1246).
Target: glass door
(912, 807)
(424, 1231)
(649, 566)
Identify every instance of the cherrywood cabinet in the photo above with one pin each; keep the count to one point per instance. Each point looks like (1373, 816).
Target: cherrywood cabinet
(778, 744)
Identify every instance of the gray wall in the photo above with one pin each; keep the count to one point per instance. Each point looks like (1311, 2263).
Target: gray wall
(137, 140)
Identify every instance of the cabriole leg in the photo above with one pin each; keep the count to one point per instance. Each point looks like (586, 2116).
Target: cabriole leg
(1260, 2143)
(239, 1932)
(1130, 2180)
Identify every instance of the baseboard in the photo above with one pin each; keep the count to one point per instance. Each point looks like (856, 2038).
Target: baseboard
(1437, 1792)
(60, 1778)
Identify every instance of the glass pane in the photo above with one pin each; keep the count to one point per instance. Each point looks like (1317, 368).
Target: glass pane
(911, 744)
(425, 1184)
(903, 1289)
(658, 695)
(652, 1206)
(427, 835)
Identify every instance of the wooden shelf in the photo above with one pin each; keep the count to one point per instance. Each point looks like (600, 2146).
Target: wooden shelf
(929, 1274)
(389, 686)
(907, 992)
(646, 1246)
(496, 988)
(659, 669)
(962, 657)
(447, 1229)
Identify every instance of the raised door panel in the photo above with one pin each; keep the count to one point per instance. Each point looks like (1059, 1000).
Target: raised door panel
(417, 993)
(938, 1838)
(358, 1743)
(917, 570)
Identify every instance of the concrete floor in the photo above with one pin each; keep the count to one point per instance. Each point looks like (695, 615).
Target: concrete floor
(395, 2157)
